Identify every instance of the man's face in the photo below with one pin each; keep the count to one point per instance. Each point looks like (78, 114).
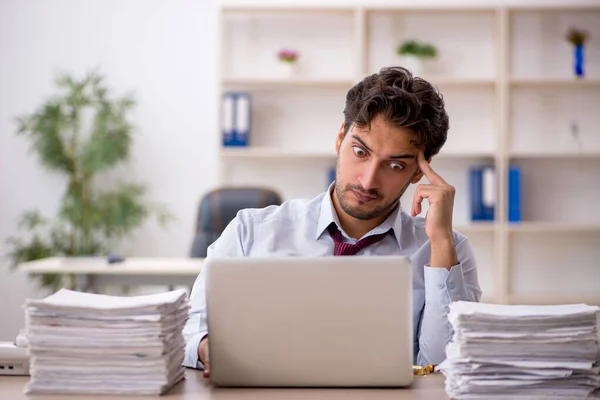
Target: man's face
(374, 168)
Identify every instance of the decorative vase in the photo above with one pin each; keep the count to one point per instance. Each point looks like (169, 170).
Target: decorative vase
(579, 61)
(287, 69)
(413, 63)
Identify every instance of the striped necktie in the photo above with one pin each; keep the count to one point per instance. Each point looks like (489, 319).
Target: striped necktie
(348, 249)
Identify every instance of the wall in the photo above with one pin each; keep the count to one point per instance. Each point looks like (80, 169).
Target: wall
(163, 51)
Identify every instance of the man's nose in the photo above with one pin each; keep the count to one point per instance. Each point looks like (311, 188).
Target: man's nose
(369, 178)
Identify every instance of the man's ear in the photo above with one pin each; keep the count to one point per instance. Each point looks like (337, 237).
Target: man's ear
(418, 174)
(339, 138)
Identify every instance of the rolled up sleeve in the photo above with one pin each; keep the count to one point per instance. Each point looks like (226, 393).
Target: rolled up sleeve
(443, 287)
(232, 243)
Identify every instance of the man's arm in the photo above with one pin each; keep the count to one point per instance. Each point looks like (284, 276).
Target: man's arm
(443, 286)
(452, 271)
(233, 242)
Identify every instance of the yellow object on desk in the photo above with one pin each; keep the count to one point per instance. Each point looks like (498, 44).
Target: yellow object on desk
(423, 370)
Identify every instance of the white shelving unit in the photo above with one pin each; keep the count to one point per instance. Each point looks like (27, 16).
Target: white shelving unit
(506, 76)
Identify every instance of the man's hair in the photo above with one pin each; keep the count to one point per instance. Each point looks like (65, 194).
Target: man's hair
(403, 101)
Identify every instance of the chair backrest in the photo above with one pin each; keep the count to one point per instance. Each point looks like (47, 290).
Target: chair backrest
(220, 206)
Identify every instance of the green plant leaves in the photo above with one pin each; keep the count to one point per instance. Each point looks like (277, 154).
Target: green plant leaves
(89, 220)
(418, 49)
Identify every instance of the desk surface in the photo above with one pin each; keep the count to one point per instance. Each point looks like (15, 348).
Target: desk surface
(99, 266)
(195, 387)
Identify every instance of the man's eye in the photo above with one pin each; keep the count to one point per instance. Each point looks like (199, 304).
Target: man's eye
(359, 152)
(397, 167)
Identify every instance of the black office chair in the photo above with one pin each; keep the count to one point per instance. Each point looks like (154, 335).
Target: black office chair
(220, 206)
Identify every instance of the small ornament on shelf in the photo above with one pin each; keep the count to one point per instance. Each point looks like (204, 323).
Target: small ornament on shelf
(413, 54)
(288, 62)
(577, 38)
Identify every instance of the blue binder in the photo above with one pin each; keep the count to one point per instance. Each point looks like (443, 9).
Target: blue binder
(330, 176)
(482, 193)
(514, 194)
(236, 119)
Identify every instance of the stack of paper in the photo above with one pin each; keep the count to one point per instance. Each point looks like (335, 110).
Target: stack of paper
(541, 352)
(96, 344)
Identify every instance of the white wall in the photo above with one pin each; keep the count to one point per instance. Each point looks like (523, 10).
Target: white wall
(164, 51)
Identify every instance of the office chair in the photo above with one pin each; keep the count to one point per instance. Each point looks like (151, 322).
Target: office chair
(220, 206)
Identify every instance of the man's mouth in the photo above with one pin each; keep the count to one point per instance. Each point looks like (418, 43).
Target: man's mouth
(363, 197)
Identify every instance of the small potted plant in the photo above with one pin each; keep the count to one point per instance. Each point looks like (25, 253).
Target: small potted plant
(577, 38)
(413, 54)
(287, 60)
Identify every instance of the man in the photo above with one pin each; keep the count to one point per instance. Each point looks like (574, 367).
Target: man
(394, 124)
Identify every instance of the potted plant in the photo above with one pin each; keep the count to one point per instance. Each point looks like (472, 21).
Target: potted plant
(287, 61)
(82, 133)
(413, 54)
(577, 38)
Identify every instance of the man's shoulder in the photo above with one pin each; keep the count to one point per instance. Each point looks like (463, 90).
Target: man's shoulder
(290, 210)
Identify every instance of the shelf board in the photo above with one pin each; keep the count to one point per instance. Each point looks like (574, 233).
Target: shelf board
(459, 81)
(555, 82)
(267, 7)
(555, 155)
(548, 227)
(270, 83)
(549, 299)
(471, 227)
(273, 152)
(456, 154)
(266, 83)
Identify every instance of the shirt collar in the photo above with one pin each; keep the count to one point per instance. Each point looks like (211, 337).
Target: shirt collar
(327, 215)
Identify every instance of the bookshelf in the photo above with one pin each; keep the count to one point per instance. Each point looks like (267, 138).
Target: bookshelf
(506, 76)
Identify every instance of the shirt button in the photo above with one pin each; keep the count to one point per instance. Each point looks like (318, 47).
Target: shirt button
(451, 285)
(440, 285)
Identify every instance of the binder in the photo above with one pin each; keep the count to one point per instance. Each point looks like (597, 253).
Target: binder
(330, 176)
(236, 119)
(228, 113)
(482, 187)
(488, 196)
(242, 119)
(514, 194)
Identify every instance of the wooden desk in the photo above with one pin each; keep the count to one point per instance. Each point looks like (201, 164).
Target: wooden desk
(195, 387)
(133, 271)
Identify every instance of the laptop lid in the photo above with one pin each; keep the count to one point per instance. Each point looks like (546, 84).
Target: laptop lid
(310, 322)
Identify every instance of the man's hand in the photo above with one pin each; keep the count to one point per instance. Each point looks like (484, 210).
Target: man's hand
(438, 221)
(203, 355)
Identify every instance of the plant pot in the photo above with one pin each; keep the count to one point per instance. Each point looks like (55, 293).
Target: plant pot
(412, 63)
(287, 69)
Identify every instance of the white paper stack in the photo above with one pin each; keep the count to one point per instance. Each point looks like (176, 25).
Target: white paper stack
(522, 352)
(97, 344)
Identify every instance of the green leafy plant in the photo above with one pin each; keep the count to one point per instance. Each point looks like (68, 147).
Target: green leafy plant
(82, 133)
(417, 49)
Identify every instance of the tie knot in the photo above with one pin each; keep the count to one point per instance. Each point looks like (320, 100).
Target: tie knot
(348, 249)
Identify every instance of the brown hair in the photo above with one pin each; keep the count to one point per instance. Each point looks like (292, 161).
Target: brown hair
(404, 101)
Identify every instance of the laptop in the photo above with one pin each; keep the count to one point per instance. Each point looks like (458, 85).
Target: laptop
(310, 321)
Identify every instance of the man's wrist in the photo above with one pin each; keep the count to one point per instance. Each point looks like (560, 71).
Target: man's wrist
(443, 252)
(442, 238)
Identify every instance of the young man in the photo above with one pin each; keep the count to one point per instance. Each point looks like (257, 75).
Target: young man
(394, 124)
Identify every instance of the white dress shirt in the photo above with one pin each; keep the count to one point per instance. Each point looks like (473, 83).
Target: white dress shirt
(299, 228)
